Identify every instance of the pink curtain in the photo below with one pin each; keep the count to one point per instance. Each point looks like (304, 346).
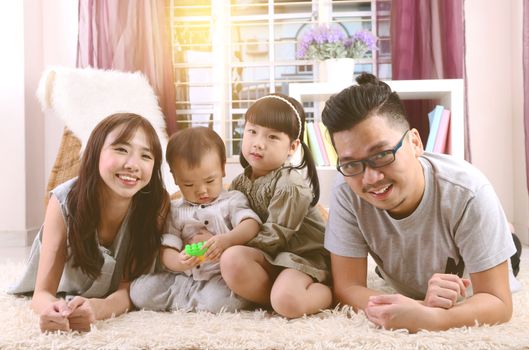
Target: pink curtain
(525, 59)
(427, 42)
(130, 36)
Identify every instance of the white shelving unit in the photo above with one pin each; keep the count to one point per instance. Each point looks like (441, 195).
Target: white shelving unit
(450, 92)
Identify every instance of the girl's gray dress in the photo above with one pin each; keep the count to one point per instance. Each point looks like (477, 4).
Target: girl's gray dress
(73, 281)
(292, 232)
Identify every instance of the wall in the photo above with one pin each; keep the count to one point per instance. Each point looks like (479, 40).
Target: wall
(493, 49)
(60, 49)
(34, 138)
(35, 33)
(521, 199)
(12, 132)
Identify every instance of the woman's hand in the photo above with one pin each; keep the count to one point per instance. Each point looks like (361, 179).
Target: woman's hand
(82, 314)
(55, 318)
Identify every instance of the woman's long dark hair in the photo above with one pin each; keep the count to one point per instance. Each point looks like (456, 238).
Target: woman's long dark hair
(278, 115)
(147, 207)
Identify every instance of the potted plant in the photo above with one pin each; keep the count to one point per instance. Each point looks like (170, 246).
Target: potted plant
(337, 52)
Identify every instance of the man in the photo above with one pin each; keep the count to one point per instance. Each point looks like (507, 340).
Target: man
(426, 219)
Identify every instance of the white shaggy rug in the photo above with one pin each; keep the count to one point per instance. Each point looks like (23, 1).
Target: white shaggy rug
(332, 329)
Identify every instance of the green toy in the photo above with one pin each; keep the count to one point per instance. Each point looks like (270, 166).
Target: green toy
(195, 249)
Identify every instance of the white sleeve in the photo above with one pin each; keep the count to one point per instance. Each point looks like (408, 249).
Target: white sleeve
(240, 210)
(172, 236)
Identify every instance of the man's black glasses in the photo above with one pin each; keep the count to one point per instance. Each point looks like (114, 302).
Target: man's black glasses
(378, 160)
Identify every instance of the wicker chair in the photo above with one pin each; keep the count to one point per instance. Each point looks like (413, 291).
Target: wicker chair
(66, 165)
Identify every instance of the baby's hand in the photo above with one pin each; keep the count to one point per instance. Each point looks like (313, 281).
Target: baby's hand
(216, 246)
(201, 236)
(187, 260)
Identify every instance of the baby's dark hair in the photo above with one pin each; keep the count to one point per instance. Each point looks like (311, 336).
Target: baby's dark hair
(358, 102)
(190, 145)
(278, 114)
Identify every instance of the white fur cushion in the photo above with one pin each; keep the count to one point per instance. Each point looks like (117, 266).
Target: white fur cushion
(84, 97)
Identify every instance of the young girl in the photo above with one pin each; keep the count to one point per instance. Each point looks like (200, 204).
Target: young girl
(285, 265)
(101, 230)
(206, 211)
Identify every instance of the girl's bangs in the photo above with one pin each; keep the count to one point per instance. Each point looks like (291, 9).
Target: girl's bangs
(275, 115)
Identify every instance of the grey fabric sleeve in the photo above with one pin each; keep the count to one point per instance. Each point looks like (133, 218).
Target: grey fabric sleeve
(61, 193)
(483, 234)
(286, 212)
(342, 234)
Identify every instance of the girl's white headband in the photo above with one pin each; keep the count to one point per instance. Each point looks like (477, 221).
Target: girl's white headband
(291, 106)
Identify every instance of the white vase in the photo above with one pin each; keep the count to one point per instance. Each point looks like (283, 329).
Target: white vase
(336, 70)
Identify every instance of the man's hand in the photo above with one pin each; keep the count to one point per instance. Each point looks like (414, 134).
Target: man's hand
(55, 318)
(444, 289)
(395, 311)
(82, 314)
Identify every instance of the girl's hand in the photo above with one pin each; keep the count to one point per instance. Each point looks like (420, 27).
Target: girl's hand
(55, 318)
(187, 260)
(82, 314)
(216, 246)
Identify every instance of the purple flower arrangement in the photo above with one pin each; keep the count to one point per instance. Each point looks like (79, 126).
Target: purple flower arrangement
(323, 42)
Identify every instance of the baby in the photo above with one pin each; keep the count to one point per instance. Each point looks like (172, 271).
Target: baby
(206, 212)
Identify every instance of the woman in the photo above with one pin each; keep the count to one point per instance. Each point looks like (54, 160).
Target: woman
(101, 229)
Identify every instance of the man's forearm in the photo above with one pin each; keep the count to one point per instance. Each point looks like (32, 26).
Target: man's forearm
(355, 296)
(395, 311)
(482, 308)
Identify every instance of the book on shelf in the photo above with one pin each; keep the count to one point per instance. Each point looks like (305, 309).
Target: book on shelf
(442, 133)
(434, 118)
(331, 153)
(319, 138)
(313, 144)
